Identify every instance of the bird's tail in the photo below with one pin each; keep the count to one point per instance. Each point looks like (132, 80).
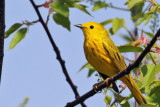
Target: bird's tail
(134, 89)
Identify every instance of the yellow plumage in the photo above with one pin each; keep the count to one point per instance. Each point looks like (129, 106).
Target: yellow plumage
(104, 56)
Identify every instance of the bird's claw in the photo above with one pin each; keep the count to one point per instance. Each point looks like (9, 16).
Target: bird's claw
(106, 82)
(95, 86)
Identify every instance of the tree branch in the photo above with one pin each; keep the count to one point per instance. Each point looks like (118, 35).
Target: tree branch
(2, 30)
(55, 48)
(117, 76)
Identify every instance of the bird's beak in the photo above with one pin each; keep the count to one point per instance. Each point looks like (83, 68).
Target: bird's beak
(79, 25)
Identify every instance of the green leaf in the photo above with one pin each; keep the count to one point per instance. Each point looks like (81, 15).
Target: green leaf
(24, 103)
(147, 19)
(99, 4)
(81, 7)
(154, 96)
(138, 13)
(18, 36)
(84, 66)
(91, 70)
(123, 49)
(89, 66)
(150, 13)
(139, 84)
(62, 20)
(108, 99)
(147, 16)
(111, 31)
(158, 9)
(114, 105)
(138, 16)
(155, 83)
(132, 3)
(125, 103)
(148, 105)
(149, 73)
(140, 8)
(106, 22)
(151, 35)
(117, 24)
(140, 21)
(127, 2)
(61, 8)
(127, 38)
(130, 47)
(71, 2)
(12, 29)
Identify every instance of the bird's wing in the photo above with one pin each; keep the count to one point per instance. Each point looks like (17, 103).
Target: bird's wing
(114, 55)
(118, 61)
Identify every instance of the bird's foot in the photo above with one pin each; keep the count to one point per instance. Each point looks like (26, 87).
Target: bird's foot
(106, 82)
(95, 86)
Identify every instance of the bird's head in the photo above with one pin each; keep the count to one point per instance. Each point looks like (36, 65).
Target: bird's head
(93, 30)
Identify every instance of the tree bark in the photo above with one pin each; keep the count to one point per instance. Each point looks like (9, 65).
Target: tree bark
(2, 30)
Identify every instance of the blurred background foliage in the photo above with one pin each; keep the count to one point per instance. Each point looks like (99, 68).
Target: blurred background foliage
(143, 13)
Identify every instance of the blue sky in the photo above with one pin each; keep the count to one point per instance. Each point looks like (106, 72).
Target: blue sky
(31, 68)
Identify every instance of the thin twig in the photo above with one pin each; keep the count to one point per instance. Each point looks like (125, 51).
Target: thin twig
(132, 36)
(152, 58)
(117, 76)
(116, 99)
(119, 8)
(30, 23)
(45, 4)
(147, 8)
(59, 58)
(131, 60)
(49, 13)
(35, 21)
(47, 19)
(41, 5)
(2, 30)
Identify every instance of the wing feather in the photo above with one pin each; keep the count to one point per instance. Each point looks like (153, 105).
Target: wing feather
(115, 55)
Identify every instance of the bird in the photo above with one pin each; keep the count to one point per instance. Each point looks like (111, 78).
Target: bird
(101, 52)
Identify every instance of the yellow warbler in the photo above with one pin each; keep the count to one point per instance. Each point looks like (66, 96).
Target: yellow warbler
(104, 56)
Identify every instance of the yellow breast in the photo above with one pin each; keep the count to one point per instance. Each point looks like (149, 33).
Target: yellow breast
(98, 58)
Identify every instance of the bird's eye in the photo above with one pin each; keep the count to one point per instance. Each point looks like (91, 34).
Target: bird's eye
(91, 26)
